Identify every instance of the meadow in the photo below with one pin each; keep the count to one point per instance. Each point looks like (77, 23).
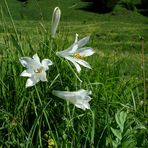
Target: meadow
(34, 117)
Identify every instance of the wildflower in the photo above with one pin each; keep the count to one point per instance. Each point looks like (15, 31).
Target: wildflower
(36, 70)
(51, 143)
(76, 52)
(55, 20)
(79, 98)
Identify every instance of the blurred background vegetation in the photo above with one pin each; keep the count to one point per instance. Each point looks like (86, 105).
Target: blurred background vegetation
(105, 6)
(36, 9)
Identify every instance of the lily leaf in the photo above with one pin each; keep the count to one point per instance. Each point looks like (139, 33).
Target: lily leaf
(117, 133)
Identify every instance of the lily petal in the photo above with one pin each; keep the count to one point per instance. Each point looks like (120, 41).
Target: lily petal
(25, 74)
(36, 58)
(29, 63)
(83, 41)
(84, 92)
(24, 61)
(32, 81)
(73, 49)
(81, 62)
(77, 44)
(68, 51)
(85, 52)
(43, 76)
(71, 59)
(46, 63)
(83, 105)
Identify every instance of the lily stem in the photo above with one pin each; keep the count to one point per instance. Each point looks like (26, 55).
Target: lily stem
(143, 73)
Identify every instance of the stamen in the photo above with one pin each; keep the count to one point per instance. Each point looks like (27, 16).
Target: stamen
(77, 55)
(39, 70)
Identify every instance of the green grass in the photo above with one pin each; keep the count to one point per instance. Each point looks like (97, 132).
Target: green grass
(33, 117)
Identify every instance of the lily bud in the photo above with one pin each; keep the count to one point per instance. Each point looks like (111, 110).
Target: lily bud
(55, 20)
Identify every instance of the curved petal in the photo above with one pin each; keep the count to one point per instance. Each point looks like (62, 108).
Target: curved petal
(85, 52)
(29, 70)
(29, 83)
(83, 41)
(78, 68)
(88, 98)
(36, 58)
(25, 74)
(66, 95)
(83, 63)
(62, 53)
(61, 94)
(83, 92)
(83, 105)
(81, 101)
(79, 61)
(32, 81)
(77, 44)
(29, 63)
(73, 49)
(25, 61)
(69, 51)
(46, 63)
(43, 76)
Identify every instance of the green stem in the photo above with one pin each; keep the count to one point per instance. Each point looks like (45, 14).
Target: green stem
(45, 114)
(93, 129)
(11, 19)
(40, 139)
(6, 4)
(143, 72)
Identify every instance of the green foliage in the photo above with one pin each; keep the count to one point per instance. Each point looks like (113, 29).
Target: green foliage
(102, 6)
(125, 136)
(120, 119)
(138, 5)
(130, 4)
(33, 117)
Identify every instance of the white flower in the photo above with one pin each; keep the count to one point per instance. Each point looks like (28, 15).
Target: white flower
(35, 69)
(55, 20)
(76, 52)
(79, 98)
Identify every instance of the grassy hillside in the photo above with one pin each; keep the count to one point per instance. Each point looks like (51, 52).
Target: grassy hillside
(35, 9)
(71, 11)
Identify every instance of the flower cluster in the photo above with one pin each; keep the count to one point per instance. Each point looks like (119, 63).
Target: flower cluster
(36, 70)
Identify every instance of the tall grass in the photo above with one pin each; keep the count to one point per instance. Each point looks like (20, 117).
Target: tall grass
(33, 117)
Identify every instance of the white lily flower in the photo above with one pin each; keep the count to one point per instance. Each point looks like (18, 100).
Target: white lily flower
(55, 20)
(79, 98)
(35, 70)
(76, 52)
